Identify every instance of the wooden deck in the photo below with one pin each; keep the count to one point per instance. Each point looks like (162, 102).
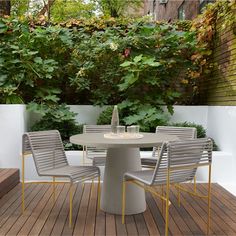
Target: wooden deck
(9, 178)
(44, 217)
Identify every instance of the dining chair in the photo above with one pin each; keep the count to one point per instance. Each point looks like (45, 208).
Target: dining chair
(183, 133)
(178, 163)
(97, 155)
(49, 157)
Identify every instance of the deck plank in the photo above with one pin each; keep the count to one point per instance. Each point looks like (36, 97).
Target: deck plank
(91, 214)
(81, 218)
(28, 212)
(44, 217)
(152, 228)
(173, 226)
(120, 228)
(9, 178)
(18, 211)
(100, 228)
(61, 226)
(12, 207)
(130, 225)
(216, 210)
(157, 215)
(141, 225)
(48, 226)
(110, 224)
(202, 211)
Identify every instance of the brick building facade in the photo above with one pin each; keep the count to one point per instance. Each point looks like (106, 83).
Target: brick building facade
(170, 10)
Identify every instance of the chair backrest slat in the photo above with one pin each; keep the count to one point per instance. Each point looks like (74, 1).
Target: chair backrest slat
(183, 158)
(47, 149)
(92, 152)
(183, 133)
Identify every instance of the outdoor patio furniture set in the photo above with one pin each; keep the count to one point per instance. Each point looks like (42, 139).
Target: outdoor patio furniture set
(177, 154)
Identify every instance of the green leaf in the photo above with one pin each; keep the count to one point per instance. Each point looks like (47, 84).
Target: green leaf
(129, 80)
(14, 47)
(52, 98)
(138, 58)
(14, 99)
(3, 79)
(38, 60)
(126, 64)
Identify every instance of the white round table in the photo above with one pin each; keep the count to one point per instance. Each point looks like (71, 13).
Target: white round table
(122, 155)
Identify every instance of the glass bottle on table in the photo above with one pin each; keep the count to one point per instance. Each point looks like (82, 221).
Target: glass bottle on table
(114, 120)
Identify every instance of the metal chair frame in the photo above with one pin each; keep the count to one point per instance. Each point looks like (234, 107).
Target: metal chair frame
(94, 153)
(165, 198)
(183, 133)
(28, 152)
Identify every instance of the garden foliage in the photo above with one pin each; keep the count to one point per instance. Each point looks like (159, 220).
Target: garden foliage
(57, 117)
(139, 65)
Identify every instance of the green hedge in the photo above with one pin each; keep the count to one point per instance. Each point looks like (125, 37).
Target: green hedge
(96, 62)
(137, 64)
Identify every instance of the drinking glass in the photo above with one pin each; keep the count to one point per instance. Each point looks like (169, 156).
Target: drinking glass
(133, 130)
(120, 129)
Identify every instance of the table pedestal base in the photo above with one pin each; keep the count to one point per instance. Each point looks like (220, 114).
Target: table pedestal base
(119, 161)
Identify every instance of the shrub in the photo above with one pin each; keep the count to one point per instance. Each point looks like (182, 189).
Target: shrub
(201, 131)
(147, 118)
(97, 61)
(57, 117)
(106, 115)
(139, 65)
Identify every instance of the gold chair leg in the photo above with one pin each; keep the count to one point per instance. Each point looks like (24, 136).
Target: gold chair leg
(178, 196)
(123, 201)
(54, 189)
(83, 155)
(167, 202)
(162, 201)
(195, 184)
(209, 201)
(92, 185)
(99, 192)
(23, 183)
(70, 216)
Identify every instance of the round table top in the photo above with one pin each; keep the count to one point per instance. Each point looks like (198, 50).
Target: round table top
(98, 140)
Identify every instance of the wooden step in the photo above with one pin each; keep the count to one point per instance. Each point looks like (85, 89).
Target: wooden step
(9, 178)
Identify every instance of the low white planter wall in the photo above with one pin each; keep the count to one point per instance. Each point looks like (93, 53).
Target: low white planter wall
(196, 114)
(13, 120)
(219, 159)
(87, 114)
(219, 121)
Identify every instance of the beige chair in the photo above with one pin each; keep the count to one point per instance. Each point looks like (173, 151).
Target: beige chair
(183, 133)
(178, 163)
(50, 160)
(97, 155)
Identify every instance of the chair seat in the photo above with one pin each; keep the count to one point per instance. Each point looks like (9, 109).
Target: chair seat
(75, 173)
(149, 162)
(99, 161)
(146, 176)
(143, 176)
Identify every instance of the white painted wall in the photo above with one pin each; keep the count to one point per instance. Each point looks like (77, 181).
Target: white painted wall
(221, 125)
(13, 119)
(87, 114)
(220, 122)
(196, 114)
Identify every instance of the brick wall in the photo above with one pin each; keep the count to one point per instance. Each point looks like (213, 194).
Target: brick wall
(169, 11)
(5, 7)
(220, 87)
